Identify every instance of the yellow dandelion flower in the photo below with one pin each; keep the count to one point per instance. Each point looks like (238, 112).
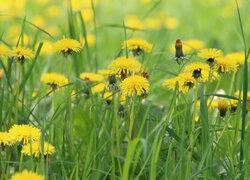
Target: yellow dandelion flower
(233, 105)
(91, 39)
(133, 21)
(67, 46)
(4, 51)
(239, 57)
(124, 65)
(24, 133)
(188, 46)
(47, 48)
(92, 77)
(170, 83)
(225, 65)
(36, 149)
(99, 88)
(108, 96)
(171, 23)
(26, 175)
(53, 11)
(197, 119)
(38, 20)
(153, 23)
(186, 81)
(237, 93)
(22, 53)
(1, 73)
(134, 85)
(199, 70)
(210, 54)
(5, 139)
(104, 72)
(137, 45)
(213, 104)
(222, 106)
(87, 14)
(54, 80)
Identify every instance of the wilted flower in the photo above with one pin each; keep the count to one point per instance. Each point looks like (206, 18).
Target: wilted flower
(222, 106)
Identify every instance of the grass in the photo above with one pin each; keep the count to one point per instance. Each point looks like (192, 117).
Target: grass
(163, 135)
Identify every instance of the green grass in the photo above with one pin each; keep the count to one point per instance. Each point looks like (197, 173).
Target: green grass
(158, 138)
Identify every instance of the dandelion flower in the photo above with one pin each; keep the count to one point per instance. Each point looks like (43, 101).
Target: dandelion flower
(210, 54)
(26, 175)
(123, 65)
(153, 23)
(134, 22)
(137, 45)
(239, 57)
(171, 23)
(67, 46)
(222, 106)
(24, 133)
(104, 72)
(91, 39)
(4, 139)
(92, 77)
(233, 105)
(134, 85)
(225, 65)
(199, 70)
(36, 149)
(22, 53)
(170, 83)
(4, 50)
(99, 88)
(108, 97)
(186, 81)
(54, 80)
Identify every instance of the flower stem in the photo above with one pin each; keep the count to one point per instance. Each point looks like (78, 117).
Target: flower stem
(21, 162)
(132, 119)
(17, 92)
(70, 107)
(191, 137)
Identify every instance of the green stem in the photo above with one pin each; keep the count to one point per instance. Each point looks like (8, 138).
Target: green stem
(70, 107)
(132, 120)
(191, 138)
(232, 83)
(17, 91)
(116, 124)
(21, 162)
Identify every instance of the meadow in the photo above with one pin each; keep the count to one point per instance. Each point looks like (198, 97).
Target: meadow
(124, 89)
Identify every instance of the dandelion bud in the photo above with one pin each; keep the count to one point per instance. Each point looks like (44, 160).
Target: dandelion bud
(222, 106)
(178, 50)
(234, 105)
